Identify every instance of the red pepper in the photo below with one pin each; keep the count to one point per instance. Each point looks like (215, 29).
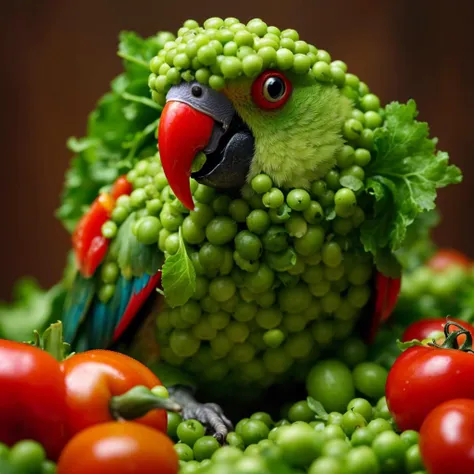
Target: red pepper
(120, 187)
(90, 246)
(32, 397)
(103, 386)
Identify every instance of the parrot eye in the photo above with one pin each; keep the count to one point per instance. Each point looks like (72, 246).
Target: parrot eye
(271, 90)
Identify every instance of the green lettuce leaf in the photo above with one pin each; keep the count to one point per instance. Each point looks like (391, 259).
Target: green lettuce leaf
(119, 131)
(32, 309)
(403, 178)
(178, 276)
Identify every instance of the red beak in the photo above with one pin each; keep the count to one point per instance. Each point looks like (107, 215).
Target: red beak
(183, 132)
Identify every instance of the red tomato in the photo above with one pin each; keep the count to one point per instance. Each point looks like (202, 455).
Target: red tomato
(445, 258)
(119, 448)
(426, 328)
(32, 397)
(422, 378)
(447, 438)
(94, 377)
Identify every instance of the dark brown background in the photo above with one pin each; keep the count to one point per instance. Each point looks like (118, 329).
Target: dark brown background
(58, 57)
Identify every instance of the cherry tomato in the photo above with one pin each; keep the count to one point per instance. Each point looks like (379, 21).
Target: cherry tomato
(422, 378)
(445, 258)
(92, 378)
(447, 438)
(32, 397)
(431, 327)
(119, 448)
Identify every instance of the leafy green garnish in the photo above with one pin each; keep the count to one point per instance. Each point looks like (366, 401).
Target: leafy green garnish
(178, 276)
(119, 131)
(318, 409)
(403, 178)
(418, 245)
(351, 182)
(32, 309)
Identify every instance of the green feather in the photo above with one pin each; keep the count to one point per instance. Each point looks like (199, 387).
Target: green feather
(298, 143)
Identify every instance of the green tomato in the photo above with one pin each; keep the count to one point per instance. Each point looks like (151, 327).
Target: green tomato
(174, 419)
(234, 439)
(327, 465)
(299, 444)
(190, 431)
(204, 447)
(390, 451)
(351, 421)
(413, 460)
(379, 425)
(184, 452)
(227, 454)
(330, 382)
(300, 411)
(370, 379)
(363, 437)
(254, 431)
(361, 460)
(27, 456)
(361, 406)
(336, 448)
(265, 417)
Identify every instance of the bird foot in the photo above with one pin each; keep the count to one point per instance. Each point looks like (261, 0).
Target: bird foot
(210, 415)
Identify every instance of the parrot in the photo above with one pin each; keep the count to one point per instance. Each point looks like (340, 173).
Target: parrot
(262, 230)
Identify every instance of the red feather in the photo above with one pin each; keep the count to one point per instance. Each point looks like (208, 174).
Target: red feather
(386, 294)
(135, 303)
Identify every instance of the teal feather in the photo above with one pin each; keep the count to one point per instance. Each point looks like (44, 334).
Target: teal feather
(77, 305)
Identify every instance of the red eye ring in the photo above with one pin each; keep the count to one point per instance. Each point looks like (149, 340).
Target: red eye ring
(271, 90)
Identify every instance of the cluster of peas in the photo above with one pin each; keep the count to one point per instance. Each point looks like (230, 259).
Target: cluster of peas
(361, 440)
(281, 274)
(225, 49)
(350, 431)
(25, 457)
(436, 293)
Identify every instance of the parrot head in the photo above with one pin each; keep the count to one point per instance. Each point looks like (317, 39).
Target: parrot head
(275, 118)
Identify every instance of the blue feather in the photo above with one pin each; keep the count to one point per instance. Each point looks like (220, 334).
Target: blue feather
(77, 304)
(91, 324)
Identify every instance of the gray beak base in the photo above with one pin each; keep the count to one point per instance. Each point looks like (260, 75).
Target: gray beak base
(231, 147)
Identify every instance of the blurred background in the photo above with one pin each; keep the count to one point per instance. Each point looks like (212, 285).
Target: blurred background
(58, 58)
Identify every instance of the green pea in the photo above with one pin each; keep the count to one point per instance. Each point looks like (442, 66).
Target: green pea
(109, 229)
(370, 102)
(231, 67)
(284, 59)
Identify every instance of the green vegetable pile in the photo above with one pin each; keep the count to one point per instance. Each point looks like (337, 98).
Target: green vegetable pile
(427, 292)
(349, 431)
(25, 457)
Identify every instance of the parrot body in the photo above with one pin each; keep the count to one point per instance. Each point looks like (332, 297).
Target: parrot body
(247, 273)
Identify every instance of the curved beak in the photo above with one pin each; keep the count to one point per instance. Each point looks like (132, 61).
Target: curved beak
(197, 118)
(182, 133)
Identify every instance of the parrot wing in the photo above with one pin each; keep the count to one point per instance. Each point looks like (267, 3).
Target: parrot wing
(97, 314)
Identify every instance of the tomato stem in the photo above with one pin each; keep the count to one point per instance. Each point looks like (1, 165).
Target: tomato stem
(137, 402)
(451, 341)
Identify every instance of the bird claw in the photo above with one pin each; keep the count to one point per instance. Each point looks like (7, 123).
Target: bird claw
(210, 415)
